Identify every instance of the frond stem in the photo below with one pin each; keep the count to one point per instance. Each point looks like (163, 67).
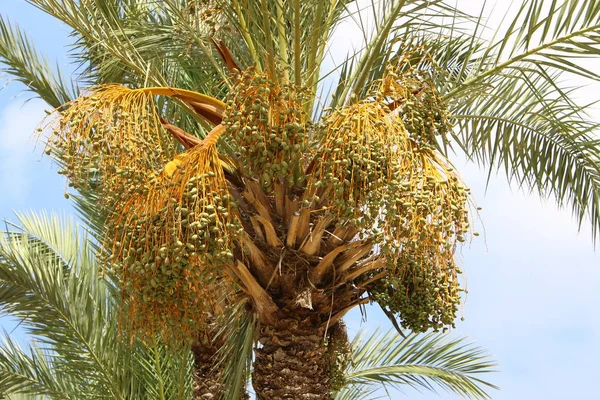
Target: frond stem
(246, 34)
(297, 39)
(213, 136)
(268, 33)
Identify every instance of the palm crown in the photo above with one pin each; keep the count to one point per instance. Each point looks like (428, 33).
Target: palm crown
(311, 211)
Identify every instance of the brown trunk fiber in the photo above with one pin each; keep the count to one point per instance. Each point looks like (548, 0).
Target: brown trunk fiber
(292, 363)
(207, 378)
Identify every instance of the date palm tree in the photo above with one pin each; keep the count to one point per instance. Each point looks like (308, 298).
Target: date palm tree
(308, 210)
(154, 372)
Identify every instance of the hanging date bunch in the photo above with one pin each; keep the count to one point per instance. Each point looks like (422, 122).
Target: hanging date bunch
(173, 241)
(268, 122)
(429, 215)
(413, 97)
(171, 222)
(377, 166)
(104, 140)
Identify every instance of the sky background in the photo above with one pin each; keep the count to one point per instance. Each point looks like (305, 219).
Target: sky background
(533, 278)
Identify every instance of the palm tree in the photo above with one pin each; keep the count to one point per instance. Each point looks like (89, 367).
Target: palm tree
(151, 375)
(312, 211)
(48, 280)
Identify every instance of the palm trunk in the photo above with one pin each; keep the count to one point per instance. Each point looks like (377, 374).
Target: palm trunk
(207, 377)
(292, 363)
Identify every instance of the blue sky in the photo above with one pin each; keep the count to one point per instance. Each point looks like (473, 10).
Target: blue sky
(533, 280)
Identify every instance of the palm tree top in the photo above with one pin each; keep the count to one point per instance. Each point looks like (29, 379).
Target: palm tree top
(371, 168)
(359, 168)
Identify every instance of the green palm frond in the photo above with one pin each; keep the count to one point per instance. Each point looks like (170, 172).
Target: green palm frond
(238, 332)
(93, 217)
(530, 128)
(32, 374)
(29, 67)
(513, 111)
(543, 34)
(164, 373)
(141, 44)
(20, 396)
(287, 35)
(399, 29)
(94, 24)
(136, 42)
(48, 279)
(418, 361)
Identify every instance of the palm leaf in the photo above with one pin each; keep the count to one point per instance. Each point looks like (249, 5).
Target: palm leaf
(26, 65)
(48, 279)
(543, 34)
(164, 373)
(399, 28)
(32, 374)
(417, 361)
(513, 111)
(238, 333)
(140, 44)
